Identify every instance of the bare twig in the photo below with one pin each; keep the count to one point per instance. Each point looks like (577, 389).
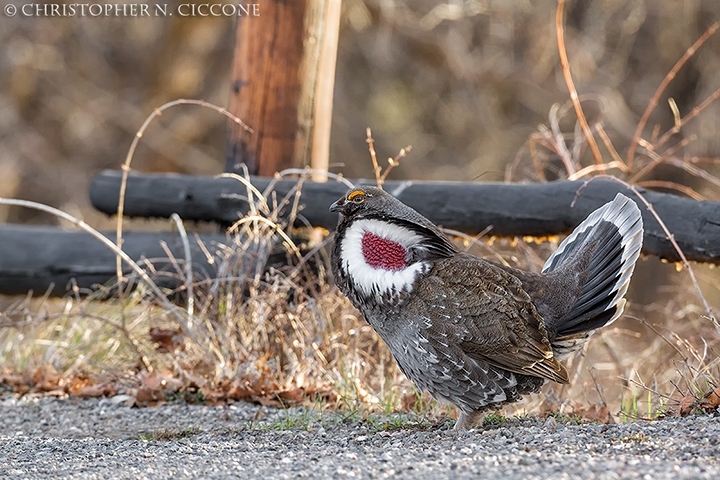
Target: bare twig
(377, 171)
(381, 175)
(394, 162)
(536, 139)
(678, 146)
(681, 122)
(133, 341)
(642, 385)
(682, 165)
(475, 240)
(598, 168)
(710, 160)
(672, 186)
(188, 266)
(661, 88)
(273, 226)
(611, 148)
(510, 169)
(659, 334)
(306, 172)
(131, 152)
(571, 85)
(252, 190)
(558, 140)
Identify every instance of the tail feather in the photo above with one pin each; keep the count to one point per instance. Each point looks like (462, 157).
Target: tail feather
(602, 251)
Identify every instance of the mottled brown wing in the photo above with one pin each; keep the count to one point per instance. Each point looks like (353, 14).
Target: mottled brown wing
(485, 311)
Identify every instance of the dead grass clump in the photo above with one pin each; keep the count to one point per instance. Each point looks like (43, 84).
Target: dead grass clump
(274, 336)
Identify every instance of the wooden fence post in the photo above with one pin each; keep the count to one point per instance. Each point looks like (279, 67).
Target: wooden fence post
(282, 83)
(324, 86)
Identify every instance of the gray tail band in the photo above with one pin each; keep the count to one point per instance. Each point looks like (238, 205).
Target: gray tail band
(613, 235)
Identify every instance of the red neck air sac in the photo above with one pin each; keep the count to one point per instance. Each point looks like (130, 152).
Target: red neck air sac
(382, 253)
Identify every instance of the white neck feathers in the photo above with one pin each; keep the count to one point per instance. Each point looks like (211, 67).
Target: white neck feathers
(372, 281)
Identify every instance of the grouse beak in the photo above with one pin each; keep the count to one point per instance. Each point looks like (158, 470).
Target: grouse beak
(338, 206)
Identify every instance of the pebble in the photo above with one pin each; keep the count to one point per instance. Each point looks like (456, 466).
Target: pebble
(92, 439)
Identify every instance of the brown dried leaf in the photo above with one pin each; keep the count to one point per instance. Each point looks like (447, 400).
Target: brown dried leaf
(149, 397)
(153, 381)
(13, 380)
(167, 340)
(711, 400)
(172, 384)
(75, 384)
(214, 396)
(594, 414)
(409, 401)
(239, 392)
(294, 395)
(94, 391)
(44, 379)
(687, 405)
(267, 401)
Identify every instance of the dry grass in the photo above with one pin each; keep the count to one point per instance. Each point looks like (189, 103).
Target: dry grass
(277, 337)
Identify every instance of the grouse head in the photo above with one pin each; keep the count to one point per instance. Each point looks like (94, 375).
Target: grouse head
(382, 245)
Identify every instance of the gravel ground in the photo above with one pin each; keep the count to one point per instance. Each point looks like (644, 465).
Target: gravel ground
(47, 438)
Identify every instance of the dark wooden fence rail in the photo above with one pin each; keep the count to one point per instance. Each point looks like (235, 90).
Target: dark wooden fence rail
(36, 258)
(539, 209)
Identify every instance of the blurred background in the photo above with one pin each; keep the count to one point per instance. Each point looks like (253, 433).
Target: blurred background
(464, 82)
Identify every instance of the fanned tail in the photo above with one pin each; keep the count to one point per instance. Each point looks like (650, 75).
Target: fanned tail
(602, 252)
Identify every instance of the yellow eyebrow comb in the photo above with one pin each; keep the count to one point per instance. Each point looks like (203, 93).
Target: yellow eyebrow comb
(354, 194)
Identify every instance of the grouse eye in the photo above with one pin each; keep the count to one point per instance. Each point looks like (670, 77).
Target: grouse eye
(356, 197)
